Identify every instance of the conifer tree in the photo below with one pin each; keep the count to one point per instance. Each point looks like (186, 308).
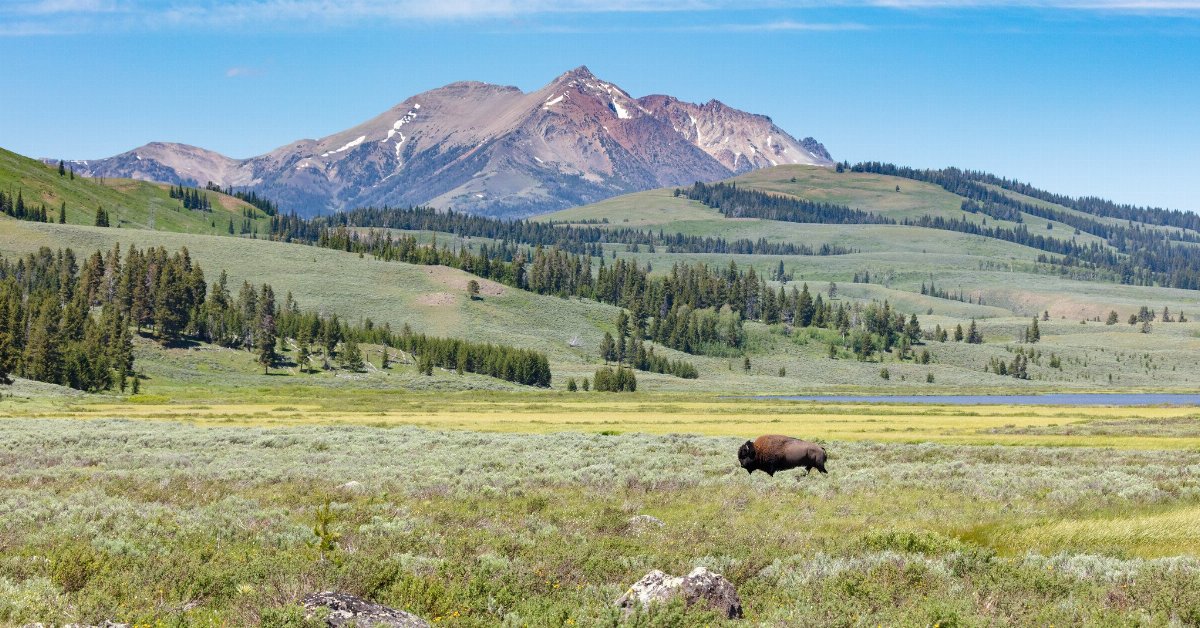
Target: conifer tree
(973, 335)
(608, 348)
(352, 358)
(265, 329)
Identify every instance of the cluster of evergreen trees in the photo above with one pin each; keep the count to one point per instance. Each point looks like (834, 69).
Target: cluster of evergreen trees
(251, 320)
(735, 202)
(191, 198)
(522, 366)
(267, 206)
(933, 291)
(47, 330)
(629, 348)
(1018, 368)
(972, 335)
(16, 207)
(578, 239)
(606, 379)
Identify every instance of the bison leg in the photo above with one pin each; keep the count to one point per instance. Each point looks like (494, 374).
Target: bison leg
(821, 468)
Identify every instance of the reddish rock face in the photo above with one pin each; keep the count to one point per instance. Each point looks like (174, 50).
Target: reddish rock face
(493, 150)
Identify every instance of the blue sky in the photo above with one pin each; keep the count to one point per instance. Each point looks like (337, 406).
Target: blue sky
(1084, 97)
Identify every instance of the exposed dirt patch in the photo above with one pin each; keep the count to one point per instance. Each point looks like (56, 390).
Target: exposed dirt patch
(457, 281)
(436, 298)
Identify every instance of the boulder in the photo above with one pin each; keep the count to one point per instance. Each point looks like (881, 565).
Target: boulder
(348, 610)
(711, 590)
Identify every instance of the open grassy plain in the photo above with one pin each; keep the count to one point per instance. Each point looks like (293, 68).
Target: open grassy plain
(520, 509)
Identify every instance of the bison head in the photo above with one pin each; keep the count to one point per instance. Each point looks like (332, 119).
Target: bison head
(746, 456)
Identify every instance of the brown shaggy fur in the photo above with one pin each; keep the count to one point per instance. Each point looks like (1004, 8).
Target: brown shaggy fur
(773, 452)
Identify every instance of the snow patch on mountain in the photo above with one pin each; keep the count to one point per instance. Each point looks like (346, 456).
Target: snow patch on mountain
(622, 113)
(351, 144)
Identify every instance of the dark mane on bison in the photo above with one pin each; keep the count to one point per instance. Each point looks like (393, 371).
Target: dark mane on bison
(774, 452)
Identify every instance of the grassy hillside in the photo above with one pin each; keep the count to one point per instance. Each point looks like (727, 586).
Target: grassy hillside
(131, 204)
(1002, 283)
(433, 300)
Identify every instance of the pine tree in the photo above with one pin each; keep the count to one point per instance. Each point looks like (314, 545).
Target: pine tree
(958, 333)
(571, 387)
(1113, 318)
(913, 329)
(62, 214)
(608, 348)
(62, 169)
(170, 304)
(973, 335)
(1035, 334)
(265, 329)
(352, 358)
(303, 354)
(804, 308)
(101, 217)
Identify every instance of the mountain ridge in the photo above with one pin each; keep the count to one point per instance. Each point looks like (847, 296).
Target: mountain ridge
(491, 149)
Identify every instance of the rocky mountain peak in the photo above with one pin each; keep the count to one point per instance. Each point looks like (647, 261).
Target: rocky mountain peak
(494, 150)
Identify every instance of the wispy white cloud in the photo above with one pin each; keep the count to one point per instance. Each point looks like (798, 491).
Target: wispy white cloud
(241, 71)
(782, 26)
(34, 17)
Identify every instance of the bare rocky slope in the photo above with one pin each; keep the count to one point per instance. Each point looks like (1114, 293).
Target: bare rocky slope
(492, 150)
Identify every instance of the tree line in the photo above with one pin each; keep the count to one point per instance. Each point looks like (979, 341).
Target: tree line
(629, 348)
(573, 238)
(191, 198)
(69, 322)
(16, 207)
(735, 202)
(1148, 256)
(48, 332)
(268, 206)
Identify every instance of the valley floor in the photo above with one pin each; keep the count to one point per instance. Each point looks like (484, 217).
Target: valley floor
(487, 508)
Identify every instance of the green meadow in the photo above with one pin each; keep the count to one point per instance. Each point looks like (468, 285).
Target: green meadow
(220, 494)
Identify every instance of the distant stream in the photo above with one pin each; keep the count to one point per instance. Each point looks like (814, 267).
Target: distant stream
(1064, 399)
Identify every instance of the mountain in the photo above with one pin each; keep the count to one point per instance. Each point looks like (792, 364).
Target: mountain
(493, 150)
(130, 204)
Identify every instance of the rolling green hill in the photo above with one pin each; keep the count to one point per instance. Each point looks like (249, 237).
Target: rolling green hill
(1003, 285)
(130, 204)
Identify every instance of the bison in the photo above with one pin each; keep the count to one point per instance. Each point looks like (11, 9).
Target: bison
(774, 452)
